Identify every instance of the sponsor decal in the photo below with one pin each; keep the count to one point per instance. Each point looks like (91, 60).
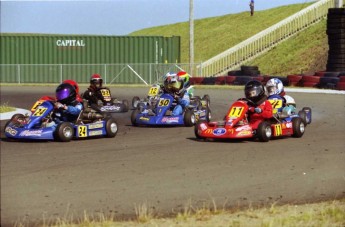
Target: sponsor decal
(203, 126)
(110, 108)
(31, 133)
(96, 133)
(96, 125)
(288, 125)
(144, 118)
(219, 131)
(11, 131)
(170, 119)
(209, 131)
(70, 43)
(244, 133)
(244, 127)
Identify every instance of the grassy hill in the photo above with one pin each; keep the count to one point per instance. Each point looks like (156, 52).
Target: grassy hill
(306, 52)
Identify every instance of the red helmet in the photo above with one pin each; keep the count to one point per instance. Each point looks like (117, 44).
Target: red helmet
(73, 83)
(95, 80)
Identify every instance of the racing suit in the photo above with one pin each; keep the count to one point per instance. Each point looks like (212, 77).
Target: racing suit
(94, 96)
(183, 100)
(258, 113)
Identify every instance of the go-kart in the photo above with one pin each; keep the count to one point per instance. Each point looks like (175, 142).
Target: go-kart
(90, 123)
(278, 109)
(156, 90)
(238, 125)
(159, 108)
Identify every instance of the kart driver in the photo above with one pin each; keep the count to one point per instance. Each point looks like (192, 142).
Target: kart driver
(173, 84)
(259, 107)
(76, 86)
(67, 107)
(93, 93)
(283, 105)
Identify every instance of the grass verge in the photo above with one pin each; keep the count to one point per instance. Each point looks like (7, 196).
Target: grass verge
(4, 108)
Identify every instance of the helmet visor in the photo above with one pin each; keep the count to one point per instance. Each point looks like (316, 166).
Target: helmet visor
(62, 94)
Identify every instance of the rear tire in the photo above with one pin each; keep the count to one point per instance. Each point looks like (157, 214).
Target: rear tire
(111, 127)
(298, 127)
(64, 132)
(135, 101)
(307, 110)
(303, 116)
(264, 131)
(189, 118)
(125, 105)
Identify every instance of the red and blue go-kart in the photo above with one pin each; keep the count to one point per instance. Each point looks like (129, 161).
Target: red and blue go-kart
(90, 123)
(158, 112)
(237, 125)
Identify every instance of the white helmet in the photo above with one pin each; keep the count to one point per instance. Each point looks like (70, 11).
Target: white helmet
(274, 86)
(289, 100)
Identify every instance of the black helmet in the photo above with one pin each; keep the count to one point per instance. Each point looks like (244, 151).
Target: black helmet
(254, 91)
(65, 93)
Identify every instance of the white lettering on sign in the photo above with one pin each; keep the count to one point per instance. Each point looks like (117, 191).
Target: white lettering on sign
(70, 43)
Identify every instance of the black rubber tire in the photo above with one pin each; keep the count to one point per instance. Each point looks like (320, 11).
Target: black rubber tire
(208, 114)
(64, 132)
(125, 105)
(308, 110)
(264, 131)
(135, 101)
(298, 127)
(111, 127)
(189, 118)
(207, 99)
(303, 116)
(134, 114)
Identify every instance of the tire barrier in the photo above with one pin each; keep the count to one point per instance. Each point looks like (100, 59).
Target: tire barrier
(336, 40)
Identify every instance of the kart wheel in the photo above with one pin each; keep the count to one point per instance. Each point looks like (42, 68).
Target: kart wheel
(196, 129)
(189, 118)
(207, 99)
(307, 110)
(125, 105)
(134, 114)
(111, 128)
(264, 131)
(135, 101)
(303, 116)
(208, 114)
(298, 127)
(64, 132)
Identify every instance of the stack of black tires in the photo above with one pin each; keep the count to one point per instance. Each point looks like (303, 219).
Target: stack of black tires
(336, 40)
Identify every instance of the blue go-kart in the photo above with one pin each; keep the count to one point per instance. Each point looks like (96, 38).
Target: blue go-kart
(158, 112)
(90, 123)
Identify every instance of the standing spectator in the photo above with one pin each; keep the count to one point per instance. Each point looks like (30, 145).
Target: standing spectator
(251, 5)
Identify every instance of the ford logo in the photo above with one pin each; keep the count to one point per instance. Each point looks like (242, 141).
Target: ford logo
(219, 131)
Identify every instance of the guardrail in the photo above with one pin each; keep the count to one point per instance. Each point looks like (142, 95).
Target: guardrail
(111, 73)
(267, 39)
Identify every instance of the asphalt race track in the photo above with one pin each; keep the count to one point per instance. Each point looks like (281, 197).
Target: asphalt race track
(165, 169)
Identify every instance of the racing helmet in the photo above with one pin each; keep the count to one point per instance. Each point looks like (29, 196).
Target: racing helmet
(73, 83)
(254, 91)
(184, 77)
(274, 86)
(289, 100)
(172, 83)
(65, 93)
(96, 80)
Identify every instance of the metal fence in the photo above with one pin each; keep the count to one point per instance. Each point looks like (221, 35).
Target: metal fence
(111, 73)
(267, 39)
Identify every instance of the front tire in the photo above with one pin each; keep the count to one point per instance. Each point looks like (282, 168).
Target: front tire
(307, 110)
(298, 127)
(111, 127)
(264, 131)
(134, 114)
(125, 105)
(135, 101)
(64, 132)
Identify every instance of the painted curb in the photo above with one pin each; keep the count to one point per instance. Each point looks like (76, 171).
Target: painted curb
(8, 115)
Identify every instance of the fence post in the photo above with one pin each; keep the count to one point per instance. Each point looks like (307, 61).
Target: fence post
(18, 73)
